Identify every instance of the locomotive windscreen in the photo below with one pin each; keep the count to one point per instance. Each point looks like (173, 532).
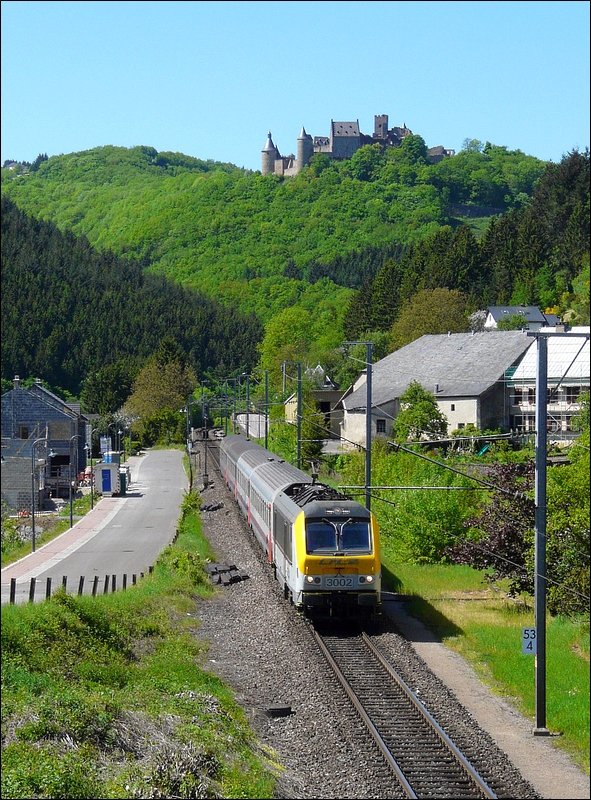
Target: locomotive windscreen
(337, 536)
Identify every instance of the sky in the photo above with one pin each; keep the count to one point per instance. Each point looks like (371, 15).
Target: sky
(210, 79)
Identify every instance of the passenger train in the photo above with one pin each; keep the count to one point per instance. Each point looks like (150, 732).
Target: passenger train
(324, 547)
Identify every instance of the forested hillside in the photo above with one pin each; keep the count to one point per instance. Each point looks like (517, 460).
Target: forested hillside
(67, 310)
(374, 246)
(534, 255)
(259, 240)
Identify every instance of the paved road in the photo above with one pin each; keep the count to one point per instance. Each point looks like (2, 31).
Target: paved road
(121, 535)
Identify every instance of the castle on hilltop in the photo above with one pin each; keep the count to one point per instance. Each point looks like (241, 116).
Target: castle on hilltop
(344, 140)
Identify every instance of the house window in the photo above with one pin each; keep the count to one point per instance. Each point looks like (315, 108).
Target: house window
(23, 431)
(381, 426)
(453, 407)
(461, 425)
(524, 396)
(572, 394)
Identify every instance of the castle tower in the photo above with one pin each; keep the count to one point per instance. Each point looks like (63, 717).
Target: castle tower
(305, 149)
(380, 126)
(269, 154)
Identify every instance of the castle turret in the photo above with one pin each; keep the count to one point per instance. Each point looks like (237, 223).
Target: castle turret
(380, 126)
(269, 154)
(305, 149)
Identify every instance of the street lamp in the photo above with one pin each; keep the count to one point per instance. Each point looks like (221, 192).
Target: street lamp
(33, 465)
(188, 427)
(75, 436)
(89, 451)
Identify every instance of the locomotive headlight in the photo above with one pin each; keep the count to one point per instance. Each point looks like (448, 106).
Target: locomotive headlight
(366, 579)
(312, 579)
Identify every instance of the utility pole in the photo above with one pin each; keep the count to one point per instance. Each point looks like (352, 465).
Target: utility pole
(368, 404)
(540, 532)
(266, 409)
(540, 522)
(299, 415)
(369, 357)
(247, 406)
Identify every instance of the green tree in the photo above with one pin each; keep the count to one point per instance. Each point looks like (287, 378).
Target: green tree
(159, 393)
(514, 322)
(419, 416)
(106, 390)
(287, 338)
(431, 311)
(313, 432)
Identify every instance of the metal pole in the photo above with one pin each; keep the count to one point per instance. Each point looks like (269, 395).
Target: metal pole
(75, 436)
(266, 409)
(247, 405)
(368, 428)
(299, 415)
(91, 479)
(92, 432)
(33, 496)
(35, 443)
(540, 534)
(205, 413)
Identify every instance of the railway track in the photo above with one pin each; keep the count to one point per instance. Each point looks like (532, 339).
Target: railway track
(405, 748)
(423, 759)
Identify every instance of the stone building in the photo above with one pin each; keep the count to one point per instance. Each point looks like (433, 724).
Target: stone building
(43, 445)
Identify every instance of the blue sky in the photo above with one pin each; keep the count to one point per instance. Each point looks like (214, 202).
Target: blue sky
(209, 79)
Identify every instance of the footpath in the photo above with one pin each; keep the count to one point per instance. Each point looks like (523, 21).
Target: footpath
(51, 553)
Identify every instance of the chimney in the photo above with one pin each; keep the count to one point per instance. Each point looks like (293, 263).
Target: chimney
(16, 382)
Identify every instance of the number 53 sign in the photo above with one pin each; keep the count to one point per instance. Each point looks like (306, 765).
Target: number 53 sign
(529, 641)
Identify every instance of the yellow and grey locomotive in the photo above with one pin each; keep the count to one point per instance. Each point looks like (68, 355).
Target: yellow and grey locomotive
(324, 547)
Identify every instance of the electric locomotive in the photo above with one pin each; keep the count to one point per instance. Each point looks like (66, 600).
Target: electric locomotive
(324, 547)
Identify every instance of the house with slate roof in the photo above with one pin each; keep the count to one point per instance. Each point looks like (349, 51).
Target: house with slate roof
(464, 371)
(33, 413)
(533, 318)
(485, 379)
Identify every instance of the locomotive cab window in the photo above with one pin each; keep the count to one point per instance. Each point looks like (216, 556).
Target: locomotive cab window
(334, 536)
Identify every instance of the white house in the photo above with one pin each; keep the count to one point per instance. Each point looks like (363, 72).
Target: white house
(484, 379)
(568, 378)
(464, 371)
(533, 318)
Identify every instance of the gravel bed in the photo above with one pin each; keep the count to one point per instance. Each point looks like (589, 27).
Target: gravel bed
(261, 648)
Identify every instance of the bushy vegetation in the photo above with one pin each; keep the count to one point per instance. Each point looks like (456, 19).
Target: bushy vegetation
(479, 511)
(109, 697)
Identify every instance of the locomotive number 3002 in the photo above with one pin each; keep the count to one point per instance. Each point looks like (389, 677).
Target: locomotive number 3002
(338, 582)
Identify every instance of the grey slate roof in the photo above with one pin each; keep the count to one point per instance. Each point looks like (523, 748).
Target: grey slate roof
(345, 128)
(461, 364)
(530, 313)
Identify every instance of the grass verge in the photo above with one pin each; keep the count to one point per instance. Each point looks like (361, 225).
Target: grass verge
(106, 696)
(484, 625)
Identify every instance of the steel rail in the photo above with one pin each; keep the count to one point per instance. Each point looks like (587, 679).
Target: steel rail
(446, 740)
(384, 749)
